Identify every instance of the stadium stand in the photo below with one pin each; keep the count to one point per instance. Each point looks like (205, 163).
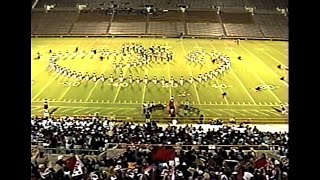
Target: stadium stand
(273, 25)
(237, 18)
(155, 162)
(208, 29)
(202, 16)
(262, 4)
(243, 30)
(167, 28)
(95, 23)
(36, 19)
(128, 23)
(56, 22)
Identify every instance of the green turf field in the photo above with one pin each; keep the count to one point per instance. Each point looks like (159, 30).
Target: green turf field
(258, 67)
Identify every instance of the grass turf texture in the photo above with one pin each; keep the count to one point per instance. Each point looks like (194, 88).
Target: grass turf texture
(258, 67)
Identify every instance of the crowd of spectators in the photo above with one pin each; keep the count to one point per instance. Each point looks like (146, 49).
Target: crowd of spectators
(210, 162)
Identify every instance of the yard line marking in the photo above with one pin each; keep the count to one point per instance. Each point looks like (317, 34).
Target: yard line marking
(129, 109)
(260, 103)
(214, 112)
(271, 111)
(256, 75)
(194, 85)
(35, 108)
(270, 103)
(169, 69)
(80, 109)
(261, 112)
(265, 103)
(117, 109)
(250, 103)
(74, 62)
(237, 112)
(145, 88)
(238, 79)
(94, 109)
(271, 70)
(238, 103)
(45, 87)
(249, 112)
(276, 50)
(204, 102)
(274, 59)
(125, 101)
(226, 112)
(232, 103)
(108, 101)
(67, 109)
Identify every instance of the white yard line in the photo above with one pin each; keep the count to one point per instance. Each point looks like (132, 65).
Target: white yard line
(67, 90)
(249, 112)
(236, 76)
(271, 70)
(195, 87)
(254, 73)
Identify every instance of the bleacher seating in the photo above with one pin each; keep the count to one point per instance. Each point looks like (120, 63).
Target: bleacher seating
(87, 28)
(95, 16)
(243, 30)
(59, 22)
(36, 19)
(262, 4)
(170, 16)
(124, 17)
(281, 3)
(202, 16)
(205, 29)
(127, 28)
(237, 18)
(275, 31)
(271, 19)
(166, 28)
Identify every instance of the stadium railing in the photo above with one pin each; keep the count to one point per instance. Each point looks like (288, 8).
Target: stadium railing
(113, 149)
(182, 120)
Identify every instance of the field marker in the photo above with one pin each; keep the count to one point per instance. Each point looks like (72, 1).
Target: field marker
(249, 103)
(232, 103)
(102, 101)
(130, 101)
(193, 102)
(69, 100)
(92, 110)
(276, 104)
(265, 103)
(210, 102)
(204, 102)
(125, 101)
(238, 103)
(136, 101)
(91, 100)
(243, 103)
(216, 103)
(270, 103)
(145, 88)
(80, 100)
(108, 101)
(117, 109)
(97, 101)
(260, 103)
(159, 102)
(221, 102)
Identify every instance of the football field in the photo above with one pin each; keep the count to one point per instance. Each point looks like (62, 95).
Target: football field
(70, 96)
